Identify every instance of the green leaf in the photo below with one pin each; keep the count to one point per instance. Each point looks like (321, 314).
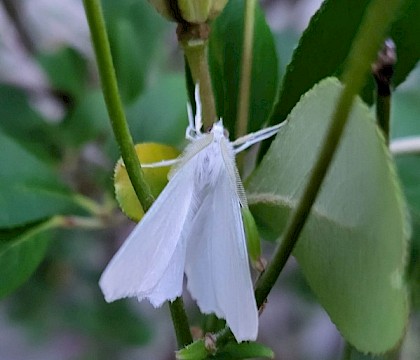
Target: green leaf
(232, 351)
(135, 32)
(21, 251)
(353, 354)
(89, 114)
(195, 351)
(225, 53)
(405, 32)
(126, 53)
(409, 171)
(26, 126)
(29, 189)
(405, 116)
(66, 69)
(245, 350)
(160, 115)
(353, 248)
(405, 112)
(113, 323)
(320, 52)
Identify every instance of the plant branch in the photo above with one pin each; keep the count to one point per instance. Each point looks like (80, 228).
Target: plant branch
(89, 205)
(363, 52)
(122, 134)
(194, 41)
(383, 69)
(246, 70)
(113, 101)
(179, 317)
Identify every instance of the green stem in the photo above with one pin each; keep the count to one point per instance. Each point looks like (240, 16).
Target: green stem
(113, 102)
(246, 70)
(88, 204)
(179, 317)
(81, 222)
(364, 50)
(196, 55)
(382, 70)
(122, 134)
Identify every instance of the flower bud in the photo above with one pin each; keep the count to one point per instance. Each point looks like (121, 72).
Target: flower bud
(191, 11)
(155, 177)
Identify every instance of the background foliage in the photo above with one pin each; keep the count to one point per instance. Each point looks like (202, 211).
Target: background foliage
(60, 224)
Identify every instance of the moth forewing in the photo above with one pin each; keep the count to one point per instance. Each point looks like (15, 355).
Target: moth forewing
(141, 262)
(192, 149)
(228, 156)
(248, 140)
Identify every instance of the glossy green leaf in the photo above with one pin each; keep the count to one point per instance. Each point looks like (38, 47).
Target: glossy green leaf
(353, 247)
(29, 189)
(225, 53)
(21, 251)
(320, 51)
(405, 32)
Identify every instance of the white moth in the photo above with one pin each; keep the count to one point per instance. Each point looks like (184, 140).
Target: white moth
(195, 226)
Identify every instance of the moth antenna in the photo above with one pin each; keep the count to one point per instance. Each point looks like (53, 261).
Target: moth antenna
(246, 141)
(198, 119)
(190, 131)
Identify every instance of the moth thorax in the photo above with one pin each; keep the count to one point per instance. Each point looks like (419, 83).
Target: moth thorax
(208, 168)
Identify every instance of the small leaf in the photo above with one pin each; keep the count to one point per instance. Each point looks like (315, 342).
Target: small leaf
(353, 247)
(26, 126)
(157, 178)
(112, 323)
(195, 351)
(67, 71)
(21, 251)
(225, 53)
(244, 350)
(89, 114)
(29, 189)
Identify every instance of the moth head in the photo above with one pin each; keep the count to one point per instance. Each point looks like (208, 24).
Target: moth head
(218, 130)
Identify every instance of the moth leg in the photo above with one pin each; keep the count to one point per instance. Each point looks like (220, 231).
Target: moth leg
(246, 141)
